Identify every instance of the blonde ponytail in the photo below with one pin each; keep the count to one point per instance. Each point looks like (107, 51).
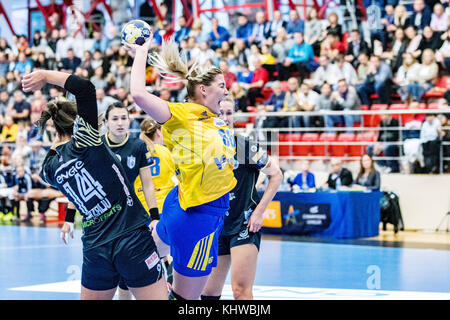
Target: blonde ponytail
(170, 61)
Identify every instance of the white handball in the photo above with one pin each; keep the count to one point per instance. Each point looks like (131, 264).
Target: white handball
(136, 32)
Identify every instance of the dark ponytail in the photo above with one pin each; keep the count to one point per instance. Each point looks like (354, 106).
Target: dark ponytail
(63, 114)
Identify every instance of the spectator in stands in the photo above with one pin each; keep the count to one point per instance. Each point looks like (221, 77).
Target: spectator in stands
(9, 130)
(342, 69)
(22, 150)
(123, 58)
(333, 25)
(218, 34)
(5, 102)
(21, 108)
(23, 65)
(383, 147)
(362, 70)
(414, 39)
(368, 177)
(146, 12)
(253, 54)
(86, 62)
(356, 46)
(339, 178)
(400, 20)
(332, 46)
(277, 23)
(22, 184)
(300, 56)
(425, 77)
(99, 41)
(275, 102)
(103, 101)
(268, 61)
(37, 155)
(322, 73)
(443, 54)
(291, 104)
(42, 62)
(430, 40)
(446, 95)
(307, 101)
(406, 74)
(413, 122)
(12, 83)
(202, 53)
(378, 81)
(385, 33)
(183, 32)
(98, 79)
(305, 180)
(295, 23)
(421, 17)
(197, 31)
(280, 51)
(259, 80)
(71, 62)
(4, 64)
(394, 56)
(240, 98)
(123, 77)
(430, 136)
(346, 99)
(327, 103)
(439, 19)
(244, 30)
(244, 76)
(229, 76)
(261, 29)
(37, 105)
(63, 44)
(314, 29)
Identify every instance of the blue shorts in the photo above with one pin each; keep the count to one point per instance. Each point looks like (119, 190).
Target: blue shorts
(132, 257)
(192, 234)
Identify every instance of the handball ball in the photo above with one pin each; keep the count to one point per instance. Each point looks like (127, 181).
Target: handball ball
(136, 32)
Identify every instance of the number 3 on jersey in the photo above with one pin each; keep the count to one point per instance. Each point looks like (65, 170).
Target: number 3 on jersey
(155, 167)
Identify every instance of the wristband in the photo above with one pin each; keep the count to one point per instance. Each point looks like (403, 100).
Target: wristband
(154, 213)
(70, 215)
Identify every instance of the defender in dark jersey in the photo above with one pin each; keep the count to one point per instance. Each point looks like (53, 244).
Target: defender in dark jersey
(116, 240)
(135, 159)
(240, 238)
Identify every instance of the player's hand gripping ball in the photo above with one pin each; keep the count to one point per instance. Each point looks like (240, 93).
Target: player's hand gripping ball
(136, 32)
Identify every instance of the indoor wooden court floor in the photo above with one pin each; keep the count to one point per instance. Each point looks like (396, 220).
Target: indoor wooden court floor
(35, 264)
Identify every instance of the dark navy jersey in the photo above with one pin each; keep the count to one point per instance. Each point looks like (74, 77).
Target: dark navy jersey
(132, 153)
(250, 158)
(86, 171)
(24, 184)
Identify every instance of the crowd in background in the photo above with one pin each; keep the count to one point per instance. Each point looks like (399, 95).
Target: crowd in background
(310, 64)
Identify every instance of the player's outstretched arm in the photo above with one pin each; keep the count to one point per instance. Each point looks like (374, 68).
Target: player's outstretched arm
(275, 178)
(154, 106)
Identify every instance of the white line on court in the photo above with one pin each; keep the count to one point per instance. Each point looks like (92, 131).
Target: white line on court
(277, 292)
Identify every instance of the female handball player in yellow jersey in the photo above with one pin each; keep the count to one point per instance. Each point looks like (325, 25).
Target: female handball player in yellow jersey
(203, 150)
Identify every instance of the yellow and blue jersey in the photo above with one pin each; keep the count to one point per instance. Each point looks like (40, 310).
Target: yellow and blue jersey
(162, 170)
(203, 150)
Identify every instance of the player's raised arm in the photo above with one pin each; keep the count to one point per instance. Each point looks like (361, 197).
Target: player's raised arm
(154, 106)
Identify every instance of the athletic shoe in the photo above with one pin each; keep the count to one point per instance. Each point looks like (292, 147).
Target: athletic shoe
(43, 217)
(8, 217)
